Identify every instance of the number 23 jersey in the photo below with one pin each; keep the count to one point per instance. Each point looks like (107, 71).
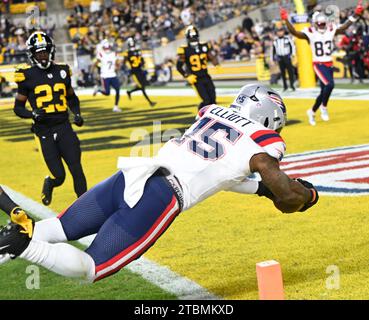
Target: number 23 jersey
(215, 152)
(322, 44)
(46, 89)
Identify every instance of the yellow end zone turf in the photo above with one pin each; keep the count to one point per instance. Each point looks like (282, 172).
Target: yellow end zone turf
(218, 243)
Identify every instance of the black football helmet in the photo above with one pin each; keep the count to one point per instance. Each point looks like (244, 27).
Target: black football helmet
(40, 49)
(192, 36)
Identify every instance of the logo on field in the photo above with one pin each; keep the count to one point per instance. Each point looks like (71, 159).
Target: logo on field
(341, 171)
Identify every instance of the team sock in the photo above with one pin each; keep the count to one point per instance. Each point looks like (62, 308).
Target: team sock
(49, 230)
(61, 258)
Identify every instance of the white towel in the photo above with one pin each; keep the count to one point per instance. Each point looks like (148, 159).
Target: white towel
(136, 171)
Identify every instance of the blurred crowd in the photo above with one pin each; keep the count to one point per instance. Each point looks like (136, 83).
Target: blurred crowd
(355, 44)
(254, 39)
(5, 4)
(13, 37)
(152, 22)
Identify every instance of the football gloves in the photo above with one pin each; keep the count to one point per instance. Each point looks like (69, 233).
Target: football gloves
(78, 120)
(263, 191)
(19, 217)
(359, 8)
(314, 194)
(38, 114)
(283, 13)
(192, 79)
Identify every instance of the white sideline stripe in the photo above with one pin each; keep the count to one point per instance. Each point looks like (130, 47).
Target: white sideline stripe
(337, 94)
(161, 276)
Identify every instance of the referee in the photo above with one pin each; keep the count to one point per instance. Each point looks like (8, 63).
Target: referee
(283, 50)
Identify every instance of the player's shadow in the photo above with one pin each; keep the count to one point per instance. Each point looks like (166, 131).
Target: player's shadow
(100, 120)
(292, 122)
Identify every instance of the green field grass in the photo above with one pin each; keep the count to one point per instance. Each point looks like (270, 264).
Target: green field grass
(125, 285)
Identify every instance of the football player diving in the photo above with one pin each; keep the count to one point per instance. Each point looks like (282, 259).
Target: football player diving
(133, 57)
(192, 64)
(47, 87)
(131, 209)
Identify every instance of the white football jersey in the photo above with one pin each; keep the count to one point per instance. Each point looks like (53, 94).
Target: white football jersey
(107, 63)
(322, 44)
(212, 155)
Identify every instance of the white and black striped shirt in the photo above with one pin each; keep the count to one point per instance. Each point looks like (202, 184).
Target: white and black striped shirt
(283, 47)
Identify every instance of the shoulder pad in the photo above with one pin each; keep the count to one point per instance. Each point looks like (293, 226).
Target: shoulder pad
(19, 75)
(22, 66)
(203, 110)
(62, 64)
(271, 142)
(181, 50)
(67, 68)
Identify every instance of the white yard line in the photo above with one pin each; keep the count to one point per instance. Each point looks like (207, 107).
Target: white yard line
(338, 94)
(161, 276)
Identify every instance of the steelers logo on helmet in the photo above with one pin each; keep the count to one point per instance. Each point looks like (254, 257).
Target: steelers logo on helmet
(192, 36)
(40, 49)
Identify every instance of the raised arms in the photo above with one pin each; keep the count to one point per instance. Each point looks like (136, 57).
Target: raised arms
(291, 28)
(352, 19)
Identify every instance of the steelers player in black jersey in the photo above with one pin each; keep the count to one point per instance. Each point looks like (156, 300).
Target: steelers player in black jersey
(133, 57)
(47, 87)
(192, 64)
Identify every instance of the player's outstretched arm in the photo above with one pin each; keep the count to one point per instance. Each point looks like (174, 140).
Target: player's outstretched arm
(352, 19)
(290, 27)
(289, 195)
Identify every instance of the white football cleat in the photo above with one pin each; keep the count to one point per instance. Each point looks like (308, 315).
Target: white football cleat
(311, 115)
(324, 113)
(117, 109)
